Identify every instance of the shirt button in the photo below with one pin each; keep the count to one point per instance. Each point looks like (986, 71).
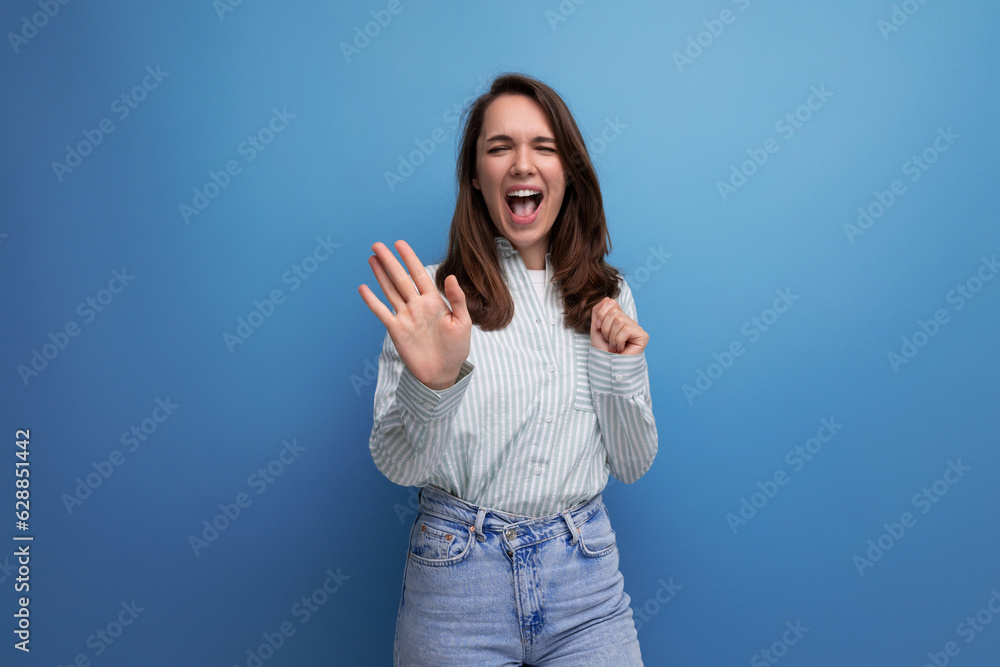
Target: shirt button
(552, 321)
(427, 405)
(619, 377)
(538, 471)
(551, 368)
(548, 418)
(510, 533)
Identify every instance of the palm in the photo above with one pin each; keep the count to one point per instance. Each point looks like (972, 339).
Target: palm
(431, 338)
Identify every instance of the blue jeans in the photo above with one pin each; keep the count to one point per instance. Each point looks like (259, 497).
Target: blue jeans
(487, 588)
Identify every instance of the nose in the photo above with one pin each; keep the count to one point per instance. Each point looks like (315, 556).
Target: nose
(523, 162)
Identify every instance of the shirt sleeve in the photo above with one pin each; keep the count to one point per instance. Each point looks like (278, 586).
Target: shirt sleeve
(619, 385)
(412, 422)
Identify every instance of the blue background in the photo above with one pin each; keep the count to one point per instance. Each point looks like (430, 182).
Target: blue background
(663, 132)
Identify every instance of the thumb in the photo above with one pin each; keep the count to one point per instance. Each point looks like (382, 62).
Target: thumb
(456, 297)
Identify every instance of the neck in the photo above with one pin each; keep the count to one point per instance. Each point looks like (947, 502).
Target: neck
(533, 260)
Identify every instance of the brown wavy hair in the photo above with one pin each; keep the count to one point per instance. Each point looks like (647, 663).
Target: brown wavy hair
(578, 241)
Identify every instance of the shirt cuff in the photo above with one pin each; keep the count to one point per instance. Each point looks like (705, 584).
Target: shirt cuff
(427, 404)
(617, 374)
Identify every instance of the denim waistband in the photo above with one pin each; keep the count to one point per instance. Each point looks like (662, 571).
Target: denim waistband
(526, 529)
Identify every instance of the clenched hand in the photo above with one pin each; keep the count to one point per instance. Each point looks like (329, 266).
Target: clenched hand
(612, 330)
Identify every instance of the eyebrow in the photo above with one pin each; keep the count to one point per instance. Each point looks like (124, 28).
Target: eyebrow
(504, 137)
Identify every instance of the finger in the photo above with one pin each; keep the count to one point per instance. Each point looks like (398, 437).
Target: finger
(599, 311)
(612, 325)
(595, 320)
(417, 271)
(621, 329)
(385, 282)
(612, 321)
(456, 297)
(376, 306)
(607, 306)
(596, 337)
(621, 334)
(400, 278)
(637, 343)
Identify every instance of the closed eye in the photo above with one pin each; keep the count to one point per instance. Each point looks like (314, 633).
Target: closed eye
(496, 149)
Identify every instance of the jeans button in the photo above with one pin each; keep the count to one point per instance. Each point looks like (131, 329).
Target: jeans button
(510, 533)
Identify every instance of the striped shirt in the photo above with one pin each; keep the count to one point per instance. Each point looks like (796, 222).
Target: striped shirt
(537, 419)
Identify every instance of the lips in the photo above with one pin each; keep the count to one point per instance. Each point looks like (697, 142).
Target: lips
(523, 203)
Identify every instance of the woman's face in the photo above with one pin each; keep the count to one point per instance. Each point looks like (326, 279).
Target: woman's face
(520, 173)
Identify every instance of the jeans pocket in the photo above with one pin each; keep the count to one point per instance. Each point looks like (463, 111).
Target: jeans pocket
(437, 541)
(597, 538)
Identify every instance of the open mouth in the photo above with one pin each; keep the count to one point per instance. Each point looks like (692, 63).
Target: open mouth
(523, 204)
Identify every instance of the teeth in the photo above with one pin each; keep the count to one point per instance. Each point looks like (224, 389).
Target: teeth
(523, 193)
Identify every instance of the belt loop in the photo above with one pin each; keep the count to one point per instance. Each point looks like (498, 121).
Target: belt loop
(478, 528)
(574, 531)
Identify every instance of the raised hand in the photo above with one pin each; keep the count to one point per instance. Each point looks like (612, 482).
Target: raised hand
(431, 338)
(612, 330)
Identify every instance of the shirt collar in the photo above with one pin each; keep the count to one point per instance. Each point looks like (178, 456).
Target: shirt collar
(506, 249)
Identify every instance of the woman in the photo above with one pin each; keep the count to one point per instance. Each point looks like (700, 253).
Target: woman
(511, 402)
